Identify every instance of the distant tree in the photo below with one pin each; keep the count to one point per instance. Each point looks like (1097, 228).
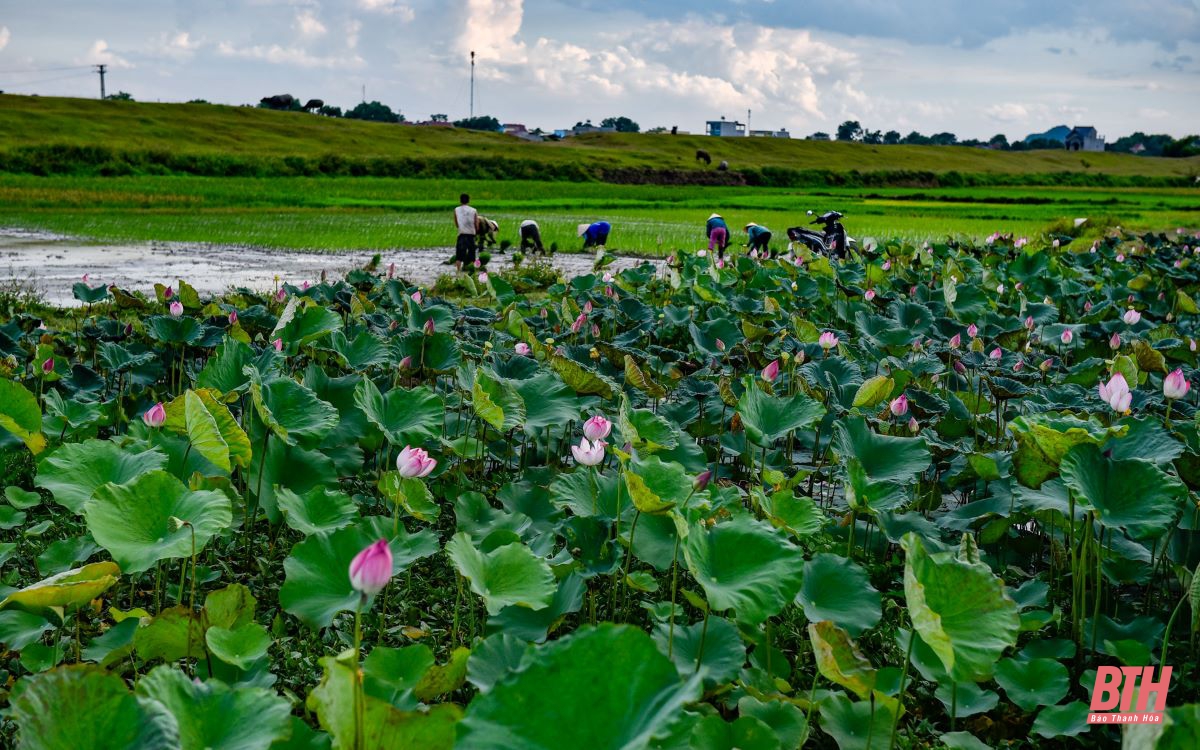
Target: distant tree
(657, 129)
(1044, 144)
(1189, 145)
(373, 111)
(481, 122)
(198, 101)
(587, 124)
(1152, 144)
(891, 138)
(439, 118)
(943, 139)
(620, 124)
(998, 141)
(849, 130)
(971, 143)
(915, 139)
(873, 137)
(120, 96)
(819, 136)
(330, 111)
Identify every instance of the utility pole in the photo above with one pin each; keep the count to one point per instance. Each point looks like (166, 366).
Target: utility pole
(364, 93)
(101, 68)
(747, 123)
(472, 84)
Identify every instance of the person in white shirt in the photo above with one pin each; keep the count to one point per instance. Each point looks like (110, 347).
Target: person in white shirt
(465, 218)
(531, 237)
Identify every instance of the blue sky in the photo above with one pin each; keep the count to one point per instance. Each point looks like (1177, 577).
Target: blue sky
(973, 68)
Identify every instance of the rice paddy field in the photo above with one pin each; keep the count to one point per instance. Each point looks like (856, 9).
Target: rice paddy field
(362, 213)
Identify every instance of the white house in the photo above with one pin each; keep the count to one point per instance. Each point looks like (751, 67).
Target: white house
(781, 133)
(1084, 138)
(725, 128)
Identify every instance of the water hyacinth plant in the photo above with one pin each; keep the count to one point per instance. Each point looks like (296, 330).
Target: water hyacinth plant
(666, 506)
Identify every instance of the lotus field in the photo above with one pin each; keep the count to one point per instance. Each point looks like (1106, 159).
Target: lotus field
(913, 499)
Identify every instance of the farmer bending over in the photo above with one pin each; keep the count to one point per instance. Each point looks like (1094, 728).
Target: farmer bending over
(759, 237)
(595, 234)
(485, 232)
(531, 237)
(465, 219)
(717, 233)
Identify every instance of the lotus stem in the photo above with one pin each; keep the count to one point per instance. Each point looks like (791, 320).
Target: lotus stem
(674, 588)
(359, 712)
(912, 639)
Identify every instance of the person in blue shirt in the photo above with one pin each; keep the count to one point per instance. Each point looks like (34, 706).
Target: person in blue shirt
(759, 238)
(595, 234)
(717, 233)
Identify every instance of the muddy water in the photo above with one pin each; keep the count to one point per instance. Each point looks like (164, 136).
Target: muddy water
(48, 264)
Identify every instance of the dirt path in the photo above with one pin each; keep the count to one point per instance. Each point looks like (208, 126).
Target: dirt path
(49, 264)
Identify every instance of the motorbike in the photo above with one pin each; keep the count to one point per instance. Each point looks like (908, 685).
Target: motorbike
(832, 241)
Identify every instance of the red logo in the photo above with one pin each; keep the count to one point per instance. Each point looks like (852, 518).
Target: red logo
(1116, 688)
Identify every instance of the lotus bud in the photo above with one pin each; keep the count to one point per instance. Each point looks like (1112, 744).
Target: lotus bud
(1087, 306)
(972, 330)
(391, 272)
(995, 353)
(608, 292)
(597, 428)
(1131, 317)
(887, 265)
(870, 295)
(1054, 243)
(588, 453)
(913, 426)
(607, 278)
(1120, 258)
(1029, 323)
(702, 253)
(959, 367)
(304, 285)
(1046, 364)
(1162, 296)
(956, 341)
(720, 263)
(800, 358)
(899, 405)
(700, 483)
(577, 326)
(478, 263)
(587, 307)
(1192, 345)
(1067, 336)
(155, 416)
(416, 296)
(483, 277)
(1017, 286)
(429, 327)
(720, 345)
(168, 293)
(278, 344)
(1020, 364)
(233, 318)
(414, 462)
(281, 295)
(771, 371)
(371, 569)
(176, 309)
(48, 365)
(406, 363)
(595, 331)
(1176, 385)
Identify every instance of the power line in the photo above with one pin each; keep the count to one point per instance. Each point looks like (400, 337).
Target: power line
(24, 84)
(44, 70)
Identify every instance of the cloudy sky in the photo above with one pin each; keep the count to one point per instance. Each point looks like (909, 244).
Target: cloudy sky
(973, 67)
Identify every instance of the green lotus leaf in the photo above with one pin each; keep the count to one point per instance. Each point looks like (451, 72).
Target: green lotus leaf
(655, 486)
(1043, 441)
(744, 565)
(966, 698)
(743, 733)
(317, 572)
(1030, 683)
(21, 415)
(549, 402)
(963, 741)
(768, 418)
(74, 471)
(365, 351)
(874, 391)
(317, 511)
(583, 380)
(1179, 730)
(71, 588)
(536, 625)
(508, 575)
(88, 708)
(303, 326)
(858, 725)
(1128, 494)
(138, 522)
(839, 659)
(878, 467)
(959, 608)
(786, 720)
(214, 716)
(603, 688)
(173, 634)
(495, 658)
(496, 401)
(289, 409)
(1070, 720)
(213, 432)
(404, 415)
(839, 590)
(171, 330)
(240, 647)
(393, 674)
(714, 652)
(224, 369)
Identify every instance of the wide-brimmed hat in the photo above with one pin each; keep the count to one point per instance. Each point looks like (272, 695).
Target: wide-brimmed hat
(716, 216)
(583, 229)
(747, 227)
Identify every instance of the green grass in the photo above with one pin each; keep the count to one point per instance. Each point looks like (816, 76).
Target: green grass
(337, 213)
(242, 131)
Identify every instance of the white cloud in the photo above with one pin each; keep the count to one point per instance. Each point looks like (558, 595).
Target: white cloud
(100, 53)
(5, 35)
(178, 46)
(490, 29)
(279, 55)
(391, 7)
(308, 25)
(352, 30)
(1008, 112)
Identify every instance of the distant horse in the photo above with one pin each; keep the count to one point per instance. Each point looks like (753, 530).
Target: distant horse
(702, 155)
(279, 101)
(314, 104)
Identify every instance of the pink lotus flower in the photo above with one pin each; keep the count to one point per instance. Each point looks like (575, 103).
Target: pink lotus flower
(278, 344)
(1055, 243)
(406, 363)
(771, 371)
(588, 453)
(48, 365)
(996, 353)
(956, 341)
(483, 277)
(702, 253)
(522, 348)
(1022, 242)
(1192, 344)
(1131, 317)
(972, 330)
(1087, 306)
(887, 265)
(155, 416)
(1176, 385)
(1114, 342)
(607, 278)
(870, 295)
(85, 278)
(720, 345)
(416, 296)
(577, 326)
(1067, 336)
(168, 293)
(233, 318)
(281, 295)
(700, 483)
(305, 285)
(999, 289)
(1029, 323)
(176, 309)
(912, 291)
(1116, 393)
(1020, 364)
(478, 263)
(414, 462)
(899, 406)
(608, 292)
(720, 263)
(595, 330)
(391, 272)
(596, 428)
(371, 569)
(1179, 264)
(913, 426)
(754, 254)
(1046, 364)
(429, 327)
(587, 307)
(828, 340)
(1120, 258)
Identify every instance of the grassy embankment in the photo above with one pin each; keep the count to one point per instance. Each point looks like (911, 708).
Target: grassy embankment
(129, 171)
